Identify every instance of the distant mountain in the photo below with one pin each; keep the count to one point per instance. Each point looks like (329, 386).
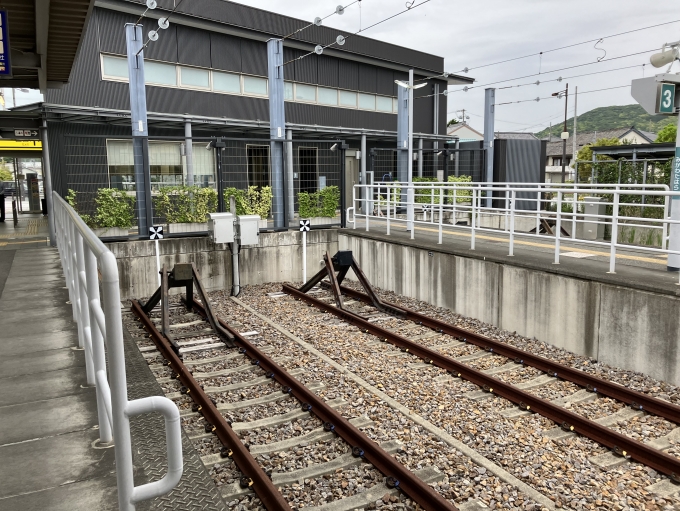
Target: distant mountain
(612, 117)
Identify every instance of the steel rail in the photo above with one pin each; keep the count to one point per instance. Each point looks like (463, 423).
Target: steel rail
(570, 421)
(397, 474)
(271, 497)
(636, 399)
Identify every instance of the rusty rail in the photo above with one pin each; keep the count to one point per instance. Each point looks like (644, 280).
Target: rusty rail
(637, 400)
(570, 421)
(271, 498)
(396, 473)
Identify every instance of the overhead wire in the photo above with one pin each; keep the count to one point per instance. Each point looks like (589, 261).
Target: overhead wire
(360, 31)
(167, 18)
(326, 17)
(551, 97)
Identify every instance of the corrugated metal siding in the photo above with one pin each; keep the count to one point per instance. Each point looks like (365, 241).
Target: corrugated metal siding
(166, 47)
(270, 23)
(423, 110)
(306, 70)
(384, 82)
(522, 165)
(193, 46)
(367, 78)
(328, 71)
(348, 75)
(326, 116)
(111, 30)
(225, 52)
(253, 57)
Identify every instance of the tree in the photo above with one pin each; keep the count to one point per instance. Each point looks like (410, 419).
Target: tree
(586, 154)
(667, 134)
(452, 122)
(5, 173)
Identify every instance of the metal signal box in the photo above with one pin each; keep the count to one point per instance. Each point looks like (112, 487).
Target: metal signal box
(221, 227)
(250, 229)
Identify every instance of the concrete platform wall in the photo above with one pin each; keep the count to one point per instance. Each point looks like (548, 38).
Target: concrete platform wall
(624, 327)
(277, 258)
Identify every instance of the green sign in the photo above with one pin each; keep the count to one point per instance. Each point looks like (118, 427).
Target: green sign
(667, 98)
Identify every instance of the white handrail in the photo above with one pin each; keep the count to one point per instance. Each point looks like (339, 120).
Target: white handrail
(100, 332)
(514, 202)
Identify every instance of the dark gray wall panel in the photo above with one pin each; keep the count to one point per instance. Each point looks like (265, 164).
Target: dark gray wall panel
(384, 81)
(193, 46)
(306, 70)
(398, 76)
(348, 75)
(225, 52)
(253, 57)
(111, 30)
(328, 71)
(326, 116)
(166, 47)
(367, 78)
(290, 54)
(423, 110)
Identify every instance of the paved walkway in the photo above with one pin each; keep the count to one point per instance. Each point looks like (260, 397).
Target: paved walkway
(48, 415)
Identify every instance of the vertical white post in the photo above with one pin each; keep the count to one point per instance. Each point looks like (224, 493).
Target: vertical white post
(455, 200)
(666, 216)
(573, 213)
(304, 256)
(512, 223)
(474, 214)
(411, 205)
(83, 309)
(369, 209)
(388, 209)
(615, 234)
(538, 213)
(409, 194)
(441, 212)
(354, 205)
(158, 263)
(558, 227)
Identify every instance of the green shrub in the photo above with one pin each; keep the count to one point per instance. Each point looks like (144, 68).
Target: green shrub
(71, 199)
(185, 204)
(461, 195)
(114, 208)
(251, 201)
(322, 203)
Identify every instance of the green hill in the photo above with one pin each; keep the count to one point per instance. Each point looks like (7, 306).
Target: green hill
(612, 117)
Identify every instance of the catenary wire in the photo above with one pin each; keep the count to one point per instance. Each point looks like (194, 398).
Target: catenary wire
(312, 24)
(551, 97)
(167, 19)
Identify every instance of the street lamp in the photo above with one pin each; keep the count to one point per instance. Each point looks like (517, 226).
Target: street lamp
(409, 193)
(565, 133)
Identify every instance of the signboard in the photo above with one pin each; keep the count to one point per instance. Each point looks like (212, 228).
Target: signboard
(667, 98)
(20, 145)
(27, 134)
(305, 225)
(156, 232)
(5, 64)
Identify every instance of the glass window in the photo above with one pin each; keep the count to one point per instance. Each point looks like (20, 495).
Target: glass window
(165, 165)
(383, 104)
(161, 74)
(308, 165)
(287, 91)
(258, 165)
(192, 77)
(305, 92)
(204, 165)
(115, 66)
(226, 82)
(328, 96)
(254, 85)
(121, 164)
(348, 98)
(395, 105)
(367, 101)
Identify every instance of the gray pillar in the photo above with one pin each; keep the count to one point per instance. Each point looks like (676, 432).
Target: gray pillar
(420, 157)
(362, 177)
(673, 263)
(47, 183)
(402, 141)
(435, 116)
(189, 151)
(457, 167)
(290, 181)
(140, 133)
(489, 114)
(277, 127)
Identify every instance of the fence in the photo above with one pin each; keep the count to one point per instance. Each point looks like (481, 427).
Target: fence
(623, 171)
(427, 163)
(564, 212)
(100, 333)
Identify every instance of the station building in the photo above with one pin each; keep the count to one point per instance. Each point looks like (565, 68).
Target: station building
(206, 77)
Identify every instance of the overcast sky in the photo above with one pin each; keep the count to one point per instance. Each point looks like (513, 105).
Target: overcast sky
(471, 34)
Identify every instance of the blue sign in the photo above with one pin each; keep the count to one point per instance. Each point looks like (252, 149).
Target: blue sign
(5, 65)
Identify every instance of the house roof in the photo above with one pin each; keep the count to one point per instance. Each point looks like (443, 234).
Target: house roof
(590, 137)
(451, 130)
(515, 135)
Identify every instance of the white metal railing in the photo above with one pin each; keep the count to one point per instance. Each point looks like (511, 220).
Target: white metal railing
(100, 332)
(474, 206)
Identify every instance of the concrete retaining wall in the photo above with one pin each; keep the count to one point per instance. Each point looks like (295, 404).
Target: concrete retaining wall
(624, 327)
(278, 258)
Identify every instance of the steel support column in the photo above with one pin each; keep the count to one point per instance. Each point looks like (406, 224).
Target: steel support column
(189, 151)
(277, 127)
(47, 183)
(489, 115)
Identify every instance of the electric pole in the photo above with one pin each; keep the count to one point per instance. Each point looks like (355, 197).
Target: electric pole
(565, 133)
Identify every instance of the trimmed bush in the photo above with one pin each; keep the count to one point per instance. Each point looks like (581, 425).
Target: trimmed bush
(251, 201)
(185, 204)
(323, 203)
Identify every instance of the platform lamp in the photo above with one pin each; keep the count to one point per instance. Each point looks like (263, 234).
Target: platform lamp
(409, 193)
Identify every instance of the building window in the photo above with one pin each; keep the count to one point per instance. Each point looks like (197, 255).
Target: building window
(328, 96)
(395, 105)
(308, 165)
(306, 93)
(384, 104)
(288, 91)
(367, 101)
(557, 161)
(121, 164)
(165, 164)
(255, 85)
(192, 77)
(348, 98)
(160, 74)
(258, 165)
(204, 166)
(114, 67)
(226, 82)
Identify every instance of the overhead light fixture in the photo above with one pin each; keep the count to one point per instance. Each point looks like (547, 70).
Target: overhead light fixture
(666, 56)
(334, 147)
(405, 85)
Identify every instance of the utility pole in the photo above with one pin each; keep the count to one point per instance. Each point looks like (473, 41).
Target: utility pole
(574, 146)
(565, 133)
(489, 121)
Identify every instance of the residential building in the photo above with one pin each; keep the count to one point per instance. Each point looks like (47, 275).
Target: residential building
(464, 132)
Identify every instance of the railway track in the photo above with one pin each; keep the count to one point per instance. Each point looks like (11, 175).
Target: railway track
(490, 364)
(227, 388)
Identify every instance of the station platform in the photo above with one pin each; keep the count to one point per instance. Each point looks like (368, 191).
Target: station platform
(31, 230)
(634, 269)
(51, 459)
